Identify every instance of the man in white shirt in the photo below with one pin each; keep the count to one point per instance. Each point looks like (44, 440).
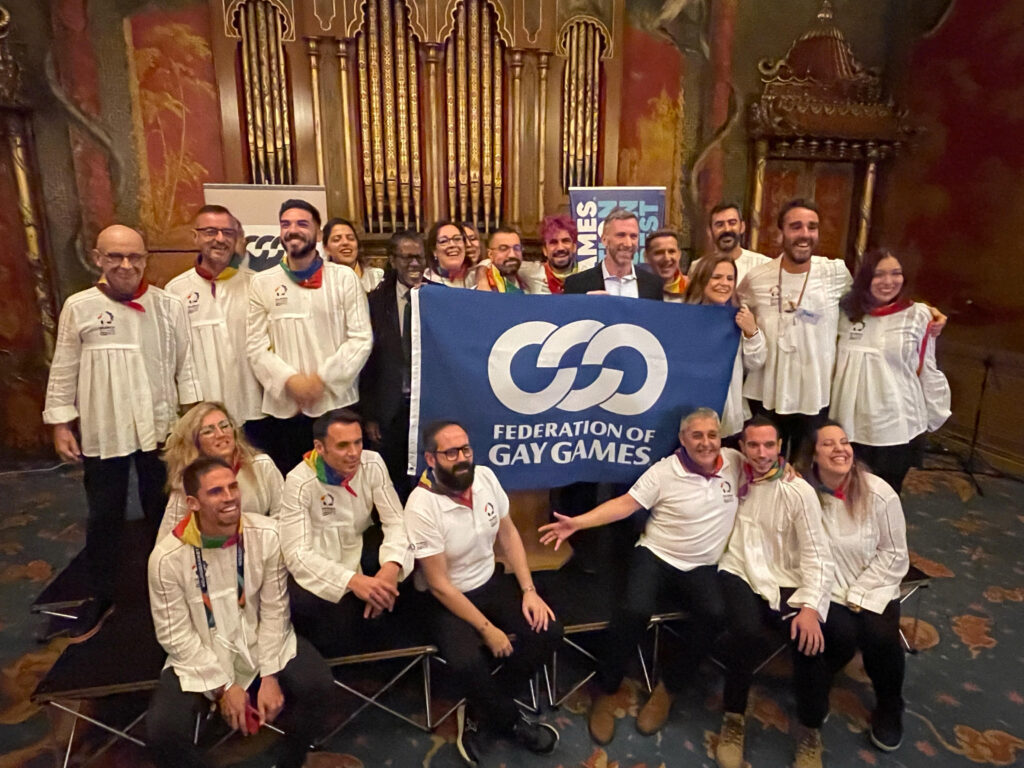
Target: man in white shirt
(777, 570)
(216, 297)
(691, 496)
(796, 302)
(308, 336)
(663, 253)
(326, 508)
(725, 231)
(121, 367)
(453, 518)
(219, 598)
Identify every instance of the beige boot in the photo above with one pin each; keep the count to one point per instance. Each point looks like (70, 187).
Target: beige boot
(729, 752)
(602, 718)
(652, 717)
(808, 749)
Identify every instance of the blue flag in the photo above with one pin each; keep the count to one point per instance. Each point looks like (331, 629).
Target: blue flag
(558, 389)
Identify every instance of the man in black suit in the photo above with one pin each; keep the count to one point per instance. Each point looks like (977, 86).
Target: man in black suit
(384, 384)
(617, 275)
(600, 550)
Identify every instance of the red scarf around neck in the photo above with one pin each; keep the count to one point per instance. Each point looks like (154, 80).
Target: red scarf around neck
(129, 301)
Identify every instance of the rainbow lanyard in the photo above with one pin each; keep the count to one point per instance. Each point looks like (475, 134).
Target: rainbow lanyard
(211, 622)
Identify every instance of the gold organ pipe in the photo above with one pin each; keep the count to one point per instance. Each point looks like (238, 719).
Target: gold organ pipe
(499, 115)
(390, 139)
(262, 170)
(435, 161)
(566, 74)
(581, 103)
(375, 115)
(488, 115)
(572, 63)
(542, 129)
(461, 43)
(588, 94)
(314, 76)
(474, 111)
(347, 139)
(268, 87)
(449, 64)
(595, 106)
(402, 88)
(243, 30)
(414, 124)
(364, 116)
(517, 132)
(286, 121)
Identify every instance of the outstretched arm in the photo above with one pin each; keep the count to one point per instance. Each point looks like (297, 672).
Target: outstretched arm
(612, 510)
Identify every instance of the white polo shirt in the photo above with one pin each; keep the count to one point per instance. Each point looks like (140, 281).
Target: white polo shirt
(438, 524)
(691, 515)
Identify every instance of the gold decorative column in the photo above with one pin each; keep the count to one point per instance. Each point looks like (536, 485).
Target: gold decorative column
(347, 134)
(542, 128)
(435, 171)
(757, 200)
(313, 48)
(517, 132)
(866, 202)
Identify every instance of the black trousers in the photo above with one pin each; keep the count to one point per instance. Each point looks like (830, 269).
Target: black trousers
(106, 493)
(697, 591)
(755, 632)
(878, 638)
(470, 661)
(307, 686)
(283, 440)
(892, 462)
(795, 429)
(394, 449)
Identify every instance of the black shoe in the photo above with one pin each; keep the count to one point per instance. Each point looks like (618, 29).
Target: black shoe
(539, 738)
(90, 619)
(468, 737)
(887, 728)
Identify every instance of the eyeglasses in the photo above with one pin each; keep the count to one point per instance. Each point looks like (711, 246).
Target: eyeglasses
(228, 232)
(211, 429)
(452, 454)
(406, 257)
(135, 259)
(457, 239)
(503, 249)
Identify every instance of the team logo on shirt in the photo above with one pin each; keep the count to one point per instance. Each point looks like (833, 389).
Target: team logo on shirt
(554, 341)
(106, 320)
(727, 495)
(857, 330)
(492, 515)
(193, 301)
(327, 504)
(281, 295)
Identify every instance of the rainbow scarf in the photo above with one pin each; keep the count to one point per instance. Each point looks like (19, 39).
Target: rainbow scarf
(310, 277)
(327, 474)
(774, 473)
(677, 285)
(465, 498)
(839, 493)
(694, 468)
(556, 281)
(498, 282)
(226, 274)
(130, 301)
(187, 531)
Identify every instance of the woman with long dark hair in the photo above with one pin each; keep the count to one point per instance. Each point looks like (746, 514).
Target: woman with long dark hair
(341, 244)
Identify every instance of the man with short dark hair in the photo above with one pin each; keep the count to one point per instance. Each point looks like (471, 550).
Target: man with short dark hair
(505, 253)
(778, 568)
(616, 274)
(216, 297)
(386, 382)
(121, 367)
(453, 518)
(663, 254)
(725, 232)
(219, 599)
(308, 336)
(326, 507)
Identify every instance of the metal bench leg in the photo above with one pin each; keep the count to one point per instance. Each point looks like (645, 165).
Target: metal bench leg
(71, 741)
(98, 724)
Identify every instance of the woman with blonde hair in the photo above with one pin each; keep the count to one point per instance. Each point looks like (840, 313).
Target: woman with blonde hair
(207, 430)
(713, 282)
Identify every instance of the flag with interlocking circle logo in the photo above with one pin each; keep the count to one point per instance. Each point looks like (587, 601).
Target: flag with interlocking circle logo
(559, 389)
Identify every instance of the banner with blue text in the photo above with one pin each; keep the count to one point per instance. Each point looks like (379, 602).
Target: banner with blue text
(588, 207)
(558, 389)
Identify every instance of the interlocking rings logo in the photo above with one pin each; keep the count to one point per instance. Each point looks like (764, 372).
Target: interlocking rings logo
(554, 341)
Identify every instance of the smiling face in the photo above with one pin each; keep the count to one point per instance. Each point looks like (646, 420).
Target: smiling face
(887, 281)
(454, 472)
(760, 446)
(833, 453)
(451, 248)
(121, 256)
(559, 250)
(216, 436)
(299, 232)
(472, 243)
(799, 235)
(342, 447)
(725, 228)
(722, 283)
(506, 253)
(343, 245)
(215, 236)
(702, 442)
(663, 254)
(409, 262)
(621, 238)
(217, 504)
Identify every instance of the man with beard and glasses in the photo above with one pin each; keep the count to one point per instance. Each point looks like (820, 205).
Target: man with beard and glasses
(616, 275)
(725, 230)
(216, 296)
(663, 253)
(505, 253)
(453, 519)
(308, 336)
(385, 385)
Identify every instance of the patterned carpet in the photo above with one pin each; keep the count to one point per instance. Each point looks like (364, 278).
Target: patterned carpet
(964, 689)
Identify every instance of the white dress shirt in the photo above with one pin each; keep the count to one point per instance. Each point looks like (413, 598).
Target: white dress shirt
(323, 330)
(322, 526)
(750, 356)
(620, 286)
(122, 373)
(371, 278)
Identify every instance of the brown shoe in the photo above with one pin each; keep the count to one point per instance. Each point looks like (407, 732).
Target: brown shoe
(729, 752)
(602, 718)
(808, 749)
(652, 717)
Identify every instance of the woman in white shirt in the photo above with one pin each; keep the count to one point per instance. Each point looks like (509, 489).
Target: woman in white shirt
(714, 282)
(207, 430)
(864, 521)
(447, 260)
(341, 244)
(886, 388)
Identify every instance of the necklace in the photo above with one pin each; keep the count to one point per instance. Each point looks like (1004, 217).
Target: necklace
(790, 306)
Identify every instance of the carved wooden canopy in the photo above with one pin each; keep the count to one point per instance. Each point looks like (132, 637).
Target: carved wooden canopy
(819, 100)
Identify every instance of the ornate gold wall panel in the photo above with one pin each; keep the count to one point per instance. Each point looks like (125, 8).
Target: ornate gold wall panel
(583, 42)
